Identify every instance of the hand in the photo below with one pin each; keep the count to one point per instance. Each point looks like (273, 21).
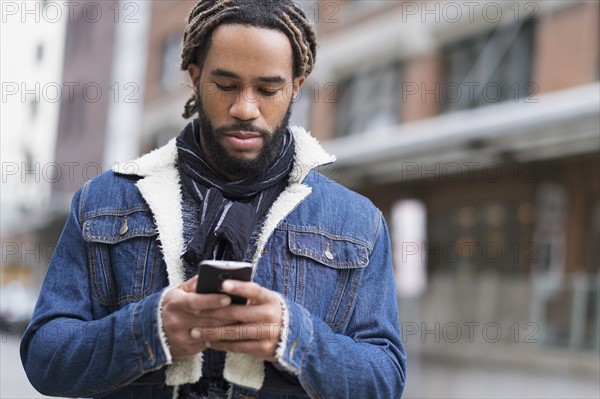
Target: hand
(260, 322)
(184, 321)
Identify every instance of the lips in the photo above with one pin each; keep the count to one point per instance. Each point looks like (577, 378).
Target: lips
(243, 134)
(243, 140)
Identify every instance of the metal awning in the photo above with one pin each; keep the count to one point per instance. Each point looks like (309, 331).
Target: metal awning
(553, 125)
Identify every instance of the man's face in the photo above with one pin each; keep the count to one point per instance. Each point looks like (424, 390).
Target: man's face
(245, 90)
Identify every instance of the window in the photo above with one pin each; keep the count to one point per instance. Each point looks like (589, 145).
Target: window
(170, 76)
(369, 100)
(485, 237)
(490, 68)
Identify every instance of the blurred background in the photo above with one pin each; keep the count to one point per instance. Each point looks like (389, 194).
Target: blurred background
(473, 125)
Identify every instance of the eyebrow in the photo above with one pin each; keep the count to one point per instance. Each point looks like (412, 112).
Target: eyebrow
(229, 74)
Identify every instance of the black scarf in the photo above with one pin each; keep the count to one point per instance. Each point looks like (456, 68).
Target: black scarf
(228, 210)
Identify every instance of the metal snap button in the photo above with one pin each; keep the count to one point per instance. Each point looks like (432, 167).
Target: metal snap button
(124, 227)
(328, 253)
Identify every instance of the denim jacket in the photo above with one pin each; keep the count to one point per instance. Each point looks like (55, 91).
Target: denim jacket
(96, 330)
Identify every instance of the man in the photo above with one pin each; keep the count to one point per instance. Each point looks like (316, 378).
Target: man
(118, 315)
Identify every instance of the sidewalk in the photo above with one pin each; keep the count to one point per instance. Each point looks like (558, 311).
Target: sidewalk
(442, 378)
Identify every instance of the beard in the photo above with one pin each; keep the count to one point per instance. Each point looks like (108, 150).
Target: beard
(230, 165)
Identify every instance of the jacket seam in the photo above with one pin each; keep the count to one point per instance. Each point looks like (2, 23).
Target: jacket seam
(319, 258)
(92, 271)
(307, 229)
(338, 295)
(111, 239)
(308, 347)
(377, 229)
(137, 344)
(117, 212)
(355, 282)
(82, 204)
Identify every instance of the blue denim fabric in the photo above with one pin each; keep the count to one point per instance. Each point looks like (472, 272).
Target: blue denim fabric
(94, 331)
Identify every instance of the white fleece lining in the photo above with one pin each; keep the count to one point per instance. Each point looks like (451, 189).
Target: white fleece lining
(245, 370)
(161, 189)
(308, 154)
(161, 331)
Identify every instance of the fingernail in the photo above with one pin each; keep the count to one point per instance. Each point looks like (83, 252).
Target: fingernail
(227, 285)
(225, 301)
(195, 334)
(207, 344)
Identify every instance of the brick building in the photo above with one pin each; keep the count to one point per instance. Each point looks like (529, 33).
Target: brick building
(486, 113)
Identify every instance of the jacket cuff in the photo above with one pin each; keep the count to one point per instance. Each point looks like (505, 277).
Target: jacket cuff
(296, 336)
(186, 370)
(148, 342)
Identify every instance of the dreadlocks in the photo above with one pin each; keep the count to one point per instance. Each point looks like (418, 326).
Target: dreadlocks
(282, 15)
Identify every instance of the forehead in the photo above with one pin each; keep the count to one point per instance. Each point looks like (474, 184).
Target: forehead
(249, 51)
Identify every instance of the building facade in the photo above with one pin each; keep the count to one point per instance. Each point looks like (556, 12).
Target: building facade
(486, 113)
(32, 47)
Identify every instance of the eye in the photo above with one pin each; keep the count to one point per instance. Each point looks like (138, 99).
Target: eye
(268, 93)
(225, 87)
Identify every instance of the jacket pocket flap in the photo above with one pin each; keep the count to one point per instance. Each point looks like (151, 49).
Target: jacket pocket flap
(111, 229)
(335, 252)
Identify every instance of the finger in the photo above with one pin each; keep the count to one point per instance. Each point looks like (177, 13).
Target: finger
(200, 303)
(204, 332)
(182, 343)
(250, 290)
(187, 322)
(196, 304)
(247, 332)
(200, 328)
(190, 284)
(261, 349)
(267, 313)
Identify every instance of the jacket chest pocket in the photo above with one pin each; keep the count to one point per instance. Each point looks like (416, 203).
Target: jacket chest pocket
(124, 260)
(328, 270)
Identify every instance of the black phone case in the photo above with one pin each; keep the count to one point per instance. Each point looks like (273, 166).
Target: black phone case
(210, 279)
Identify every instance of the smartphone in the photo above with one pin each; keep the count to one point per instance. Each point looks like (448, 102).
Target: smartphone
(212, 273)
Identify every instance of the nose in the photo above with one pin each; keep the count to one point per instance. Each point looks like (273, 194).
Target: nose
(245, 107)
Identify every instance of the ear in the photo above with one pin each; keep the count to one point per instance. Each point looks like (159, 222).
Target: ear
(194, 72)
(298, 82)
